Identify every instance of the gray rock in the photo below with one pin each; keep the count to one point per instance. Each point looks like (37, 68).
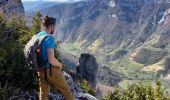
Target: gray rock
(76, 90)
(84, 96)
(87, 69)
(9, 7)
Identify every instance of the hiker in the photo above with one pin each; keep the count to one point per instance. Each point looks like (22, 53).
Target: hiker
(52, 74)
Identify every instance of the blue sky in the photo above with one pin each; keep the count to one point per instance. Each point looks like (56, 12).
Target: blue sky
(29, 5)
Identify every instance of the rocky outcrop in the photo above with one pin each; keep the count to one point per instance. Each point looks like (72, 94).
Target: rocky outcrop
(87, 69)
(78, 93)
(9, 7)
(76, 90)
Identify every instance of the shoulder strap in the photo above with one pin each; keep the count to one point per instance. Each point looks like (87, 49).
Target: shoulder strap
(43, 37)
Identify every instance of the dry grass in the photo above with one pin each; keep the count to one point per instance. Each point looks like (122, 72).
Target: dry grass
(155, 67)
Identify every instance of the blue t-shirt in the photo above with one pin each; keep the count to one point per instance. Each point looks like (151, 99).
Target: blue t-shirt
(48, 42)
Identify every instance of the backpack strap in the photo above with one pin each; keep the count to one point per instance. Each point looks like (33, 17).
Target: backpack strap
(45, 74)
(41, 39)
(50, 70)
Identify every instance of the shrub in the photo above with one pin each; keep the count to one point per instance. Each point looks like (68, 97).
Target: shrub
(86, 87)
(13, 72)
(139, 92)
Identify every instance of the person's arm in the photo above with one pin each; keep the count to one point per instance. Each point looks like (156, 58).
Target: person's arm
(51, 58)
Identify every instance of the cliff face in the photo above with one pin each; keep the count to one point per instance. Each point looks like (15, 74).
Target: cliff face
(12, 7)
(88, 69)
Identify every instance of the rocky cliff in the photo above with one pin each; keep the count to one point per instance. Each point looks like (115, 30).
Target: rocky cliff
(9, 7)
(88, 69)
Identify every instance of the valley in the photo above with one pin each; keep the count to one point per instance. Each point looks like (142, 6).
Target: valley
(129, 38)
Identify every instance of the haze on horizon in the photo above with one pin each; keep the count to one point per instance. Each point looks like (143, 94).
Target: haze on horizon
(50, 0)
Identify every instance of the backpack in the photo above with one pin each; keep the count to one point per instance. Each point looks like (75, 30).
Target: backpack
(32, 52)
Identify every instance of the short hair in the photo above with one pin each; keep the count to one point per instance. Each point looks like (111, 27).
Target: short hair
(47, 21)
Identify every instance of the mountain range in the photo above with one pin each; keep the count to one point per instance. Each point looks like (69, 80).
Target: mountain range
(128, 37)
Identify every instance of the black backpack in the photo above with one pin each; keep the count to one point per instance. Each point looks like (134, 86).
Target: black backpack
(32, 52)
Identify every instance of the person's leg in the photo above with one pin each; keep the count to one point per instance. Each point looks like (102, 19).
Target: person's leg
(60, 83)
(44, 87)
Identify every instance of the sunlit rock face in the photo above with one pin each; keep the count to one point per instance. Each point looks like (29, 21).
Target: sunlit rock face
(10, 7)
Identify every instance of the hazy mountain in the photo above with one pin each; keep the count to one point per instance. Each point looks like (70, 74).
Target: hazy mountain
(37, 5)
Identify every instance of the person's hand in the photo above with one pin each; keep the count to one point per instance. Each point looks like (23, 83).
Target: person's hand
(62, 63)
(60, 67)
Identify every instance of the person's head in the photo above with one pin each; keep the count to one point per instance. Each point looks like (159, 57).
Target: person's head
(49, 24)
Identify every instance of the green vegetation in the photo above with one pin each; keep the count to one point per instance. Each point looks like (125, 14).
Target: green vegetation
(154, 49)
(139, 92)
(72, 48)
(148, 56)
(86, 87)
(36, 23)
(14, 75)
(59, 57)
(168, 48)
(130, 68)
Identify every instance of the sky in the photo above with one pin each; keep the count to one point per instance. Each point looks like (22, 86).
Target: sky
(29, 6)
(49, 0)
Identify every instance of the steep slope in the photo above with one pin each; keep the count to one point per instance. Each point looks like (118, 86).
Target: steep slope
(37, 5)
(96, 24)
(12, 6)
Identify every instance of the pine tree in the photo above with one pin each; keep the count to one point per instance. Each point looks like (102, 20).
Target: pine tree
(36, 23)
(158, 92)
(148, 91)
(84, 84)
(139, 92)
(25, 32)
(12, 61)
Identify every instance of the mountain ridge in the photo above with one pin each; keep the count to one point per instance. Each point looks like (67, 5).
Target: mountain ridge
(117, 32)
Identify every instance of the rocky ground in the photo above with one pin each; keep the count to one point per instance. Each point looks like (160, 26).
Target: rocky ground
(78, 93)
